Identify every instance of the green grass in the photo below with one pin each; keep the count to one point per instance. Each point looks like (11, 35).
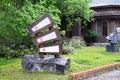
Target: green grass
(83, 59)
(90, 57)
(4, 61)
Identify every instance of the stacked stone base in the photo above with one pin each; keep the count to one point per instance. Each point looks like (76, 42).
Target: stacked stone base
(49, 63)
(112, 48)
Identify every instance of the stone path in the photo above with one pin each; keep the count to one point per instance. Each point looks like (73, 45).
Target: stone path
(112, 75)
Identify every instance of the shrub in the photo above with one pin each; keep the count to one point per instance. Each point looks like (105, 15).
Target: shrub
(70, 45)
(67, 48)
(10, 52)
(90, 36)
(76, 43)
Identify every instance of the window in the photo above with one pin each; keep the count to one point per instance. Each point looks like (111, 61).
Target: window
(104, 27)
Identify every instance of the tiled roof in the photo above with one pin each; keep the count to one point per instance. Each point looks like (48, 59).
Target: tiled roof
(96, 3)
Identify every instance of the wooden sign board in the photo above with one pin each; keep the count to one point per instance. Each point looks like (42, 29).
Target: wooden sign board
(54, 49)
(52, 35)
(44, 22)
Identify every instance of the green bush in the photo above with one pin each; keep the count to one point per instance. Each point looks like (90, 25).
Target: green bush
(68, 49)
(71, 45)
(11, 52)
(90, 36)
(76, 43)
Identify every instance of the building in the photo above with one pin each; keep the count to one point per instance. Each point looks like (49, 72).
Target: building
(107, 17)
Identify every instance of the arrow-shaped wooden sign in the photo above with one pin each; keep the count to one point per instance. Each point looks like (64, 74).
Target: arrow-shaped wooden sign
(54, 49)
(44, 22)
(52, 35)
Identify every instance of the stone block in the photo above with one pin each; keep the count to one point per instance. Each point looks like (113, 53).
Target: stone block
(49, 63)
(112, 48)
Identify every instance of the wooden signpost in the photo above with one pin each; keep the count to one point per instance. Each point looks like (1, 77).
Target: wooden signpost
(53, 35)
(39, 62)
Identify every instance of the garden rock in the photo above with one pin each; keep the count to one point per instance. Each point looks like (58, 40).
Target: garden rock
(49, 63)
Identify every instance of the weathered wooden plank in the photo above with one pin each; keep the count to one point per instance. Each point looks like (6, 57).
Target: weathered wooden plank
(54, 49)
(49, 36)
(44, 22)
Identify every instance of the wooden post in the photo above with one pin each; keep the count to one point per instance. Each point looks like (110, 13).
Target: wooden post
(56, 55)
(41, 55)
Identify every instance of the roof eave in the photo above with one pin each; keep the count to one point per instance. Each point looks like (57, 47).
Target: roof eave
(105, 6)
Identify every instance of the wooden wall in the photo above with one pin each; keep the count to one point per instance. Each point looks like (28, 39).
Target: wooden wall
(110, 13)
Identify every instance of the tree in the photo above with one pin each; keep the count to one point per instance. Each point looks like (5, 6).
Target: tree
(18, 18)
(15, 17)
(75, 10)
(18, 15)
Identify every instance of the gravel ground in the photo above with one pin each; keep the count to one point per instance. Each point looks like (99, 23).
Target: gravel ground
(112, 75)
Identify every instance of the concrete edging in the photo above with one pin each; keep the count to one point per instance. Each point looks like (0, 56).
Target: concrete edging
(81, 75)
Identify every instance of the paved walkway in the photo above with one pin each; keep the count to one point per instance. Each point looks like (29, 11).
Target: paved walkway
(112, 75)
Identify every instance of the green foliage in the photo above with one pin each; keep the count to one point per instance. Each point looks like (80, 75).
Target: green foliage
(8, 35)
(17, 15)
(91, 33)
(71, 45)
(29, 13)
(91, 36)
(15, 19)
(75, 10)
(10, 52)
(76, 43)
(67, 49)
(20, 19)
